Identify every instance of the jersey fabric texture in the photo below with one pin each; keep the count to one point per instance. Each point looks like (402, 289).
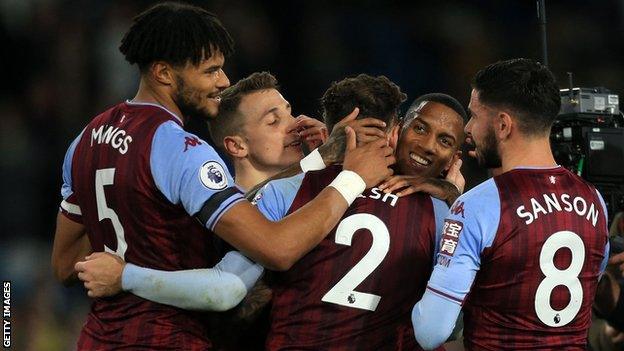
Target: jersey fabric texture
(356, 289)
(135, 178)
(523, 253)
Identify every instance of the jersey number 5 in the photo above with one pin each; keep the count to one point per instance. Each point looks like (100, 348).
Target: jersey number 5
(104, 177)
(555, 277)
(343, 293)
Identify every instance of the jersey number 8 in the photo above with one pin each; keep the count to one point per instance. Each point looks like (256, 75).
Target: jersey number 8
(554, 277)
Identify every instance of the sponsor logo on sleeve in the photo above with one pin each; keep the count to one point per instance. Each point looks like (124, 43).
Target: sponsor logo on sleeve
(191, 142)
(458, 209)
(450, 236)
(213, 176)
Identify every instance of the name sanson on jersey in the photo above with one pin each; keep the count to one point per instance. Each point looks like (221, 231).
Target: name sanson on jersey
(553, 202)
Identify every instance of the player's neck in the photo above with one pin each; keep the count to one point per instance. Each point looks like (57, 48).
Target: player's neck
(147, 93)
(248, 176)
(527, 153)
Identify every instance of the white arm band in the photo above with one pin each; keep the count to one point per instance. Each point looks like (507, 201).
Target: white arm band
(312, 162)
(349, 184)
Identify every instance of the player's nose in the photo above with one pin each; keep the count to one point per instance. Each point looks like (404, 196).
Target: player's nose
(223, 81)
(428, 144)
(291, 124)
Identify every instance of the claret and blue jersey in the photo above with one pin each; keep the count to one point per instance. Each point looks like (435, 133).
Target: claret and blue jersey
(136, 180)
(522, 253)
(355, 290)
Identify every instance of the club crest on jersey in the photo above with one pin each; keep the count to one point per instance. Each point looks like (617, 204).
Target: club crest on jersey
(450, 236)
(212, 176)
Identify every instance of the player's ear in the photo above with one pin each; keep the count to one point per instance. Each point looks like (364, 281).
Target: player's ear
(504, 125)
(235, 146)
(393, 136)
(162, 72)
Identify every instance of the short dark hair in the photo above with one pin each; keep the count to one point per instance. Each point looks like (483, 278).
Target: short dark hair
(374, 96)
(526, 87)
(176, 33)
(440, 98)
(229, 120)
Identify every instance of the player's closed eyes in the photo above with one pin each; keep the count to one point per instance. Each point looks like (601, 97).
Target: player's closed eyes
(212, 71)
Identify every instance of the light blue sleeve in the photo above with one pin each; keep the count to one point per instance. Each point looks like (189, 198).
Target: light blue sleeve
(468, 229)
(66, 188)
(188, 171)
(276, 197)
(211, 289)
(605, 260)
(442, 316)
(440, 209)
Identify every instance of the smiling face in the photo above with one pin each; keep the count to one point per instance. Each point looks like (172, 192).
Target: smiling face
(268, 130)
(480, 133)
(198, 86)
(429, 141)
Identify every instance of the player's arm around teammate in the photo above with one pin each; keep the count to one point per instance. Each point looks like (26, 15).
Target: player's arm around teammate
(277, 245)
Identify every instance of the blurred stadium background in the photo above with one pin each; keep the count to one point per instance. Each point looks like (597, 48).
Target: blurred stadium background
(60, 66)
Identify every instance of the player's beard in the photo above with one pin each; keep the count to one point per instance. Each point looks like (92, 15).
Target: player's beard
(189, 101)
(487, 155)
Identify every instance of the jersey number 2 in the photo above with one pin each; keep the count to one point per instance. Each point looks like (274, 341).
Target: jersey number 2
(555, 277)
(343, 293)
(104, 177)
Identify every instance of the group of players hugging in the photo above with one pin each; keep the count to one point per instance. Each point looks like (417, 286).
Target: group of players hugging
(366, 243)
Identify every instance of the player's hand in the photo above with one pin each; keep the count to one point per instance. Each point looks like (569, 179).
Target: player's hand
(101, 274)
(367, 130)
(448, 189)
(406, 185)
(455, 175)
(312, 131)
(370, 161)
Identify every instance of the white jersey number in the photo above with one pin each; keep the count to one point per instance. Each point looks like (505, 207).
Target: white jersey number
(343, 293)
(104, 177)
(555, 277)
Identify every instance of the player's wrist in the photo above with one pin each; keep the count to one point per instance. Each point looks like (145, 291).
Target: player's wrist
(129, 276)
(349, 184)
(312, 162)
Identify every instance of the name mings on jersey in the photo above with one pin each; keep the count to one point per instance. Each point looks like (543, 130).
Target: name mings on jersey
(114, 136)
